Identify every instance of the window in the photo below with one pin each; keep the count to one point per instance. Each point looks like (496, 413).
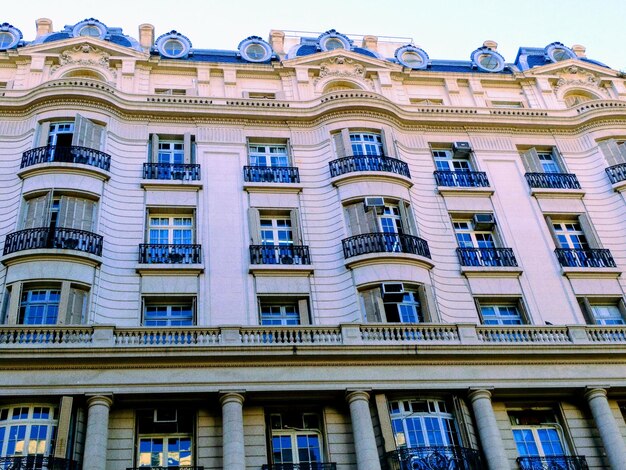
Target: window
(537, 433)
(507, 104)
(389, 216)
(331, 40)
(173, 45)
(487, 60)
(445, 160)
(412, 57)
(172, 149)
(570, 234)
(467, 236)
(62, 303)
(276, 237)
(55, 210)
(170, 238)
(260, 95)
(268, 155)
(501, 311)
(296, 439)
(422, 423)
(81, 132)
(170, 91)
(576, 98)
(602, 311)
(175, 311)
(366, 143)
(27, 430)
(283, 311)
(543, 161)
(427, 101)
(394, 302)
(170, 230)
(557, 52)
(165, 437)
(276, 230)
(39, 307)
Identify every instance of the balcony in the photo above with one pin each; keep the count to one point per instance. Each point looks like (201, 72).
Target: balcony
(271, 174)
(280, 254)
(37, 462)
(462, 179)
(555, 462)
(300, 466)
(585, 258)
(384, 243)
(617, 176)
(172, 467)
(58, 238)
(171, 171)
(433, 458)
(169, 254)
(358, 163)
(66, 154)
(486, 257)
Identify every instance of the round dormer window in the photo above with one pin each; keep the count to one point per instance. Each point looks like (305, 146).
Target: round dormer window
(9, 36)
(557, 52)
(6, 40)
(412, 57)
(487, 60)
(332, 40)
(173, 45)
(255, 49)
(91, 28)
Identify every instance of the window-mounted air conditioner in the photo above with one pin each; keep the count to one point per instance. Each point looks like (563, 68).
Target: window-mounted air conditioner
(376, 203)
(483, 221)
(461, 149)
(392, 291)
(165, 415)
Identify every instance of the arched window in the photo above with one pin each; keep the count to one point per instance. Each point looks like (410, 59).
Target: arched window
(340, 85)
(577, 97)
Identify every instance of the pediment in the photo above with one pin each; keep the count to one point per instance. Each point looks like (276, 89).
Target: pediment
(75, 47)
(341, 58)
(572, 67)
(570, 75)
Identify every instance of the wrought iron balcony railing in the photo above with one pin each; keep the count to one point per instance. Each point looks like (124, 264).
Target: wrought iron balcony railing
(169, 254)
(616, 173)
(555, 462)
(45, 237)
(368, 163)
(433, 458)
(486, 257)
(271, 174)
(462, 179)
(66, 154)
(279, 254)
(171, 171)
(552, 180)
(300, 466)
(37, 462)
(589, 258)
(171, 467)
(384, 243)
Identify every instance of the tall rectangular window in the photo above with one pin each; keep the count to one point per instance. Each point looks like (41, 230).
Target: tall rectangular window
(39, 306)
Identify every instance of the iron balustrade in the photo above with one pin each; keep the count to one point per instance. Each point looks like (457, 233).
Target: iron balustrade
(150, 253)
(172, 467)
(271, 174)
(368, 163)
(616, 173)
(384, 243)
(60, 237)
(171, 171)
(37, 462)
(585, 258)
(301, 466)
(553, 462)
(66, 154)
(433, 458)
(279, 254)
(462, 179)
(486, 257)
(552, 180)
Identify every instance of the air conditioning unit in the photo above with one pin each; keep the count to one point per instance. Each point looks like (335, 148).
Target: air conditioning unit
(392, 291)
(164, 415)
(376, 203)
(461, 149)
(483, 221)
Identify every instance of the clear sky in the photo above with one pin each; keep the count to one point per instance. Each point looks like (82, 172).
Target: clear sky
(445, 29)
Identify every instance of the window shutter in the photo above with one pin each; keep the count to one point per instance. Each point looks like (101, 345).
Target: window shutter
(295, 227)
(371, 220)
(590, 233)
(550, 223)
(343, 147)
(389, 143)
(406, 215)
(531, 162)
(76, 213)
(585, 307)
(290, 153)
(358, 219)
(77, 306)
(63, 427)
(615, 154)
(254, 222)
(86, 133)
(187, 147)
(303, 310)
(194, 151)
(556, 155)
(43, 134)
(428, 304)
(153, 156)
(497, 238)
(382, 409)
(463, 418)
(37, 212)
(372, 302)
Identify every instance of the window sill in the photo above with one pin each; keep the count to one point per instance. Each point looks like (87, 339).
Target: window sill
(491, 271)
(465, 191)
(293, 188)
(369, 176)
(552, 193)
(281, 269)
(171, 185)
(156, 269)
(596, 273)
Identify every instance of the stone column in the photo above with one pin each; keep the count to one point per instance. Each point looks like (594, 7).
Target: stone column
(233, 450)
(607, 426)
(490, 438)
(97, 433)
(363, 431)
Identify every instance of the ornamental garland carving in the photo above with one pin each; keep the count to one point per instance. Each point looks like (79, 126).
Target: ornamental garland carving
(342, 67)
(84, 55)
(577, 77)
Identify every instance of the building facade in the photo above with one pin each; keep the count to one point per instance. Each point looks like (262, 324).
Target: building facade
(312, 252)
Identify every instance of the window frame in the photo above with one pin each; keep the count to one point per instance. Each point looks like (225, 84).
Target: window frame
(588, 303)
(555, 425)
(297, 301)
(171, 228)
(292, 431)
(373, 306)
(283, 159)
(503, 301)
(8, 422)
(171, 301)
(446, 155)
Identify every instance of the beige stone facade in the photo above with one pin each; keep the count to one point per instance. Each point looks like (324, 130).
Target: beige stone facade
(309, 254)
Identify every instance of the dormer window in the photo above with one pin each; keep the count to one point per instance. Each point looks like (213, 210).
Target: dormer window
(412, 57)
(173, 45)
(487, 60)
(255, 49)
(557, 52)
(173, 48)
(90, 28)
(332, 40)
(9, 36)
(91, 31)
(6, 39)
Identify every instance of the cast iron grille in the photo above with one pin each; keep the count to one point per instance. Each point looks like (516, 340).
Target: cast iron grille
(45, 237)
(384, 243)
(171, 171)
(552, 180)
(368, 163)
(589, 258)
(271, 174)
(66, 154)
(486, 257)
(169, 254)
(279, 254)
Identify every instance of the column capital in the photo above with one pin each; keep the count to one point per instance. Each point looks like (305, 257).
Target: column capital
(105, 399)
(480, 393)
(232, 397)
(596, 391)
(354, 395)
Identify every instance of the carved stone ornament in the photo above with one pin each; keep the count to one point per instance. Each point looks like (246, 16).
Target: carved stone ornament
(84, 55)
(574, 76)
(342, 67)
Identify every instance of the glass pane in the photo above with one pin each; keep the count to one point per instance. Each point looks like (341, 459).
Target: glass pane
(282, 449)
(550, 442)
(525, 441)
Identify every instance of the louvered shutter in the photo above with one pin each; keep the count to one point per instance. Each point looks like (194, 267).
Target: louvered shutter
(615, 154)
(372, 302)
(389, 144)
(408, 221)
(153, 154)
(63, 427)
(254, 221)
(550, 223)
(590, 233)
(37, 213)
(76, 213)
(44, 133)
(303, 311)
(464, 420)
(187, 147)
(343, 147)
(87, 134)
(359, 221)
(558, 159)
(531, 161)
(77, 306)
(295, 227)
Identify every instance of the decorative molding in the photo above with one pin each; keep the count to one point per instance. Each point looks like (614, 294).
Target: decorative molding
(342, 68)
(578, 77)
(84, 55)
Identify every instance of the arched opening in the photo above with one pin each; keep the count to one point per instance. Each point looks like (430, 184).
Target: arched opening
(340, 85)
(576, 97)
(85, 73)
